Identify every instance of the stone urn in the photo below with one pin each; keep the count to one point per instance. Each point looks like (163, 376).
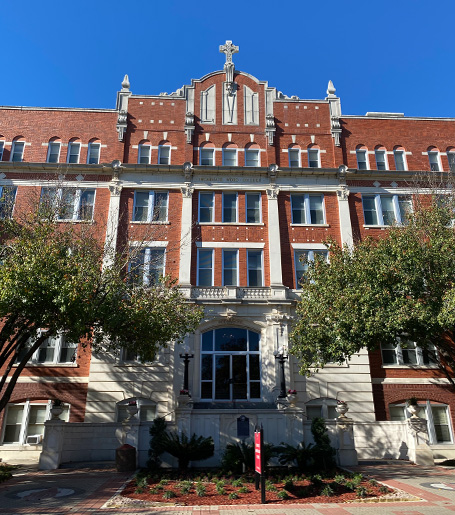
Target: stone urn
(292, 398)
(342, 408)
(56, 411)
(413, 410)
(132, 409)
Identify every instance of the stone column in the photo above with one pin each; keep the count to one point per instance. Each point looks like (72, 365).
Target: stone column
(276, 275)
(346, 453)
(110, 245)
(186, 236)
(419, 450)
(343, 208)
(51, 455)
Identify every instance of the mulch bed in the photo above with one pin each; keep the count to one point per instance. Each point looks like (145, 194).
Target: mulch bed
(302, 491)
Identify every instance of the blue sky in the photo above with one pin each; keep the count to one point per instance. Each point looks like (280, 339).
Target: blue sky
(381, 55)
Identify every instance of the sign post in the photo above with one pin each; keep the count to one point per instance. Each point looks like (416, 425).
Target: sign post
(259, 461)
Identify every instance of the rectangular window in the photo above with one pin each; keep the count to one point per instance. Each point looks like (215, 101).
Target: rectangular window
(362, 159)
(17, 152)
(450, 158)
(55, 350)
(206, 204)
(7, 199)
(207, 156)
(2, 148)
(53, 152)
(69, 203)
(150, 206)
(408, 354)
(252, 157)
(386, 209)
(229, 207)
(144, 154)
(381, 159)
(230, 267)
(400, 162)
(313, 158)
(254, 260)
(253, 208)
(307, 209)
(301, 259)
(294, 157)
(205, 267)
(164, 155)
(74, 150)
(147, 266)
(434, 161)
(93, 155)
(229, 157)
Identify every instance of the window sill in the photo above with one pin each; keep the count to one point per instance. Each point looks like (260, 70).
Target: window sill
(256, 224)
(150, 223)
(71, 221)
(407, 367)
(309, 225)
(49, 365)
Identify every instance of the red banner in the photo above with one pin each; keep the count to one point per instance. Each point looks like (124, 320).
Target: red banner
(257, 452)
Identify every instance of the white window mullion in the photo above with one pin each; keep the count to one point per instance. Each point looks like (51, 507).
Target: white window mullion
(151, 206)
(396, 208)
(146, 270)
(399, 352)
(430, 423)
(77, 204)
(307, 209)
(378, 205)
(24, 423)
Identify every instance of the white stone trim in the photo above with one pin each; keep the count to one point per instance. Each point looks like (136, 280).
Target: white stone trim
(149, 244)
(309, 246)
(229, 245)
(409, 380)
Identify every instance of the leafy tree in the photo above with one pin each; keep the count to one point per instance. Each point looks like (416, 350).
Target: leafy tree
(400, 287)
(53, 282)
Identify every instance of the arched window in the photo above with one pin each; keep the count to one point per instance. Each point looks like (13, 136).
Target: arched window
(380, 153)
(230, 364)
(450, 158)
(363, 163)
(399, 155)
(74, 151)
(164, 153)
(230, 154)
(294, 156)
(93, 154)
(314, 157)
(436, 414)
(207, 154)
(435, 159)
(53, 150)
(252, 155)
(144, 152)
(17, 150)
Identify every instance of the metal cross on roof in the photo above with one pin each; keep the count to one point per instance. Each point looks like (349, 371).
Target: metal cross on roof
(229, 49)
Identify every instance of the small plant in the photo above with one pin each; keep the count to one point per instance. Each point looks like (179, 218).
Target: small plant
(141, 481)
(220, 489)
(233, 495)
(288, 484)
(316, 479)
(350, 484)
(220, 482)
(169, 494)
(237, 483)
(283, 495)
(270, 487)
(154, 491)
(373, 482)
(185, 487)
(200, 489)
(383, 489)
(357, 479)
(243, 490)
(164, 482)
(327, 491)
(188, 449)
(361, 491)
(139, 490)
(340, 479)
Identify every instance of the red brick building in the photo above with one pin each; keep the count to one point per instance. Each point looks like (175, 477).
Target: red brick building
(230, 182)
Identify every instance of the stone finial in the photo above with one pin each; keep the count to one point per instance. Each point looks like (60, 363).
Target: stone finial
(331, 88)
(126, 82)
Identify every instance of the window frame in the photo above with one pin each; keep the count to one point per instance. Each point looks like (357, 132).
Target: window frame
(307, 208)
(2, 202)
(400, 152)
(248, 268)
(450, 160)
(61, 343)
(147, 265)
(151, 206)
(250, 151)
(399, 359)
(311, 253)
(50, 145)
(437, 155)
(212, 268)
(259, 208)
(77, 207)
(72, 144)
(396, 198)
(140, 156)
(92, 145)
(299, 157)
(2, 148)
(211, 208)
(235, 152)
(13, 152)
(383, 152)
(318, 153)
(364, 151)
(236, 207)
(160, 156)
(203, 150)
(235, 270)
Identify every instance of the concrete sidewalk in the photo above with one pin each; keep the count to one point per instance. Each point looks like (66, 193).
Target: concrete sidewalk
(85, 491)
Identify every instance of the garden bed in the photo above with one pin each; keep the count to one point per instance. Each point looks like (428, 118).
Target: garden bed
(216, 489)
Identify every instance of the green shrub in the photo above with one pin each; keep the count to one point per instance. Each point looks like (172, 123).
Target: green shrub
(185, 487)
(373, 482)
(158, 437)
(283, 495)
(383, 489)
(5, 472)
(233, 495)
(164, 482)
(323, 453)
(316, 479)
(200, 490)
(288, 484)
(237, 483)
(169, 494)
(327, 491)
(361, 491)
(300, 456)
(154, 491)
(340, 479)
(270, 487)
(188, 449)
(220, 490)
(238, 454)
(243, 490)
